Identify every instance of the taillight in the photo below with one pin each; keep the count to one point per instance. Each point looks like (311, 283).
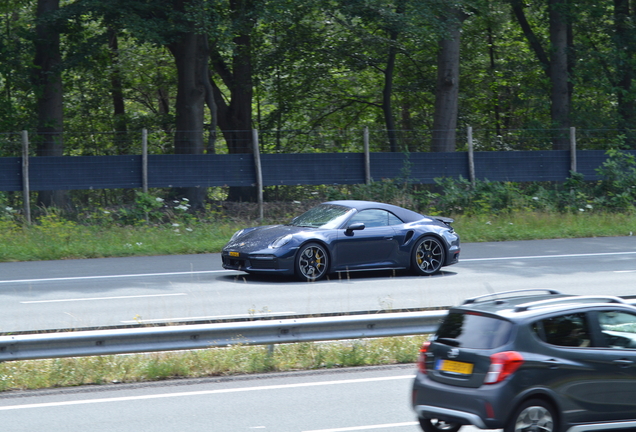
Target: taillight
(421, 361)
(502, 365)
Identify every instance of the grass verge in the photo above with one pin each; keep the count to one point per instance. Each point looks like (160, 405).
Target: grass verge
(49, 373)
(68, 240)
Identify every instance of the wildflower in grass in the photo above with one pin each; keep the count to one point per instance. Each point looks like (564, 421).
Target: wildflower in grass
(589, 206)
(159, 199)
(189, 229)
(175, 224)
(581, 210)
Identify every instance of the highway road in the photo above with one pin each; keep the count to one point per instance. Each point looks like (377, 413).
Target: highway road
(355, 399)
(110, 291)
(170, 289)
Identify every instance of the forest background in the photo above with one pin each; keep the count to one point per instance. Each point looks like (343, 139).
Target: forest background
(201, 74)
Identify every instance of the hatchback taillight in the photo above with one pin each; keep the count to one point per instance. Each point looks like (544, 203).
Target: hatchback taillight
(421, 361)
(502, 365)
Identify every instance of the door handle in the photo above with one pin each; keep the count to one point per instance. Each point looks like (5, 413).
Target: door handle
(552, 363)
(623, 362)
(388, 238)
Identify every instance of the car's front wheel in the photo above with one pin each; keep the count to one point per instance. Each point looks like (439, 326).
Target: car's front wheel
(312, 262)
(533, 415)
(428, 255)
(437, 425)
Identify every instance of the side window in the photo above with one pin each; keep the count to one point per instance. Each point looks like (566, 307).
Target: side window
(394, 220)
(619, 329)
(564, 330)
(372, 218)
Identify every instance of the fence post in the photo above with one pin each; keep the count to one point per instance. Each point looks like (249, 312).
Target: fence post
(367, 157)
(573, 149)
(471, 157)
(26, 187)
(259, 173)
(144, 160)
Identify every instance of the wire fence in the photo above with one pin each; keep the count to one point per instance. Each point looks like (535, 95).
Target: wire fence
(315, 141)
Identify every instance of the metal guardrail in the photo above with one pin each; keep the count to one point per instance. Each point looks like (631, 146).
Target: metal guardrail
(200, 336)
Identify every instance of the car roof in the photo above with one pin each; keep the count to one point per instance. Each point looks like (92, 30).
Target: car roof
(520, 304)
(405, 214)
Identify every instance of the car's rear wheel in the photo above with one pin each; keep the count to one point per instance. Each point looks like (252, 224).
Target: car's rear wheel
(312, 262)
(533, 415)
(428, 255)
(437, 425)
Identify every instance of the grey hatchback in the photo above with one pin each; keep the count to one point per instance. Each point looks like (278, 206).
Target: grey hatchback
(546, 362)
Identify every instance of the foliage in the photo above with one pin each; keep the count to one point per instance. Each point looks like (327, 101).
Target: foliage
(233, 360)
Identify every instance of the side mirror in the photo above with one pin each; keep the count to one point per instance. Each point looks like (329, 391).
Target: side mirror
(355, 227)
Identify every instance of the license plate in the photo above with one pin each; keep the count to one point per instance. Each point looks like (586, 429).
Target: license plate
(455, 367)
(234, 254)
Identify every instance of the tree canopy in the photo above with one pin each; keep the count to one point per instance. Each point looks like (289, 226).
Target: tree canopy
(199, 74)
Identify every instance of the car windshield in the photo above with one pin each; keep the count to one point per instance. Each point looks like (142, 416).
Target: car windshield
(326, 216)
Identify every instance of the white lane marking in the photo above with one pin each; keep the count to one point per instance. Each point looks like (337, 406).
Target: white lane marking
(201, 393)
(368, 427)
(115, 276)
(234, 271)
(102, 298)
(548, 256)
(212, 317)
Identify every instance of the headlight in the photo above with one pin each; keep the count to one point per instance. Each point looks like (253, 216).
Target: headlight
(281, 241)
(237, 234)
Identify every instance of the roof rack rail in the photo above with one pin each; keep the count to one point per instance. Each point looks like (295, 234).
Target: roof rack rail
(495, 295)
(578, 299)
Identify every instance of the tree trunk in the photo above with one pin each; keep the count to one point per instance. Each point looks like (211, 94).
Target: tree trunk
(47, 82)
(387, 92)
(624, 45)
(447, 88)
(122, 140)
(560, 94)
(190, 56)
(235, 118)
(557, 65)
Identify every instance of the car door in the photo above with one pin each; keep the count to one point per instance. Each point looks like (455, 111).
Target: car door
(592, 364)
(616, 391)
(571, 366)
(375, 246)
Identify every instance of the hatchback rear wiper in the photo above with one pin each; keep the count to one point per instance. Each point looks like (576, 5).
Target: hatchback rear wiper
(448, 341)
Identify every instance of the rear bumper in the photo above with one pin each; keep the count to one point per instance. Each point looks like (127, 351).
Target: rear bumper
(427, 411)
(485, 407)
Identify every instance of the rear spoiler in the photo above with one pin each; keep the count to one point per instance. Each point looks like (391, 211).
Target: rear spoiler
(448, 221)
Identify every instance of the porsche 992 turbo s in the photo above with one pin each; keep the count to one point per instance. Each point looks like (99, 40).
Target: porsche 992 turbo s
(343, 236)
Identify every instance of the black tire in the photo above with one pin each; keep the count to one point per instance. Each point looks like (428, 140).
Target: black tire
(436, 425)
(312, 262)
(533, 415)
(428, 256)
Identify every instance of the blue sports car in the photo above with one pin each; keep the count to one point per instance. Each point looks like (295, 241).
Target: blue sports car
(342, 236)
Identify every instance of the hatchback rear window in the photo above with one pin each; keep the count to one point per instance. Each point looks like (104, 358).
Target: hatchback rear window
(474, 331)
